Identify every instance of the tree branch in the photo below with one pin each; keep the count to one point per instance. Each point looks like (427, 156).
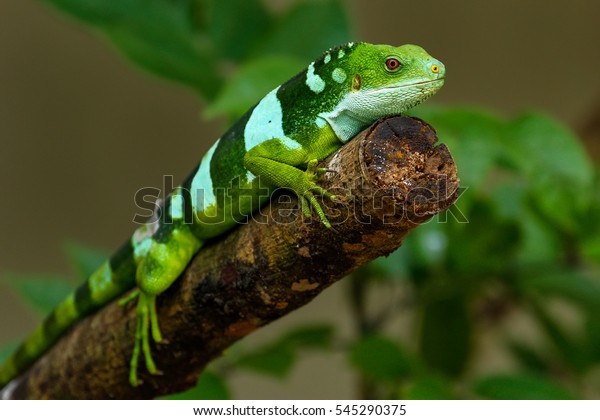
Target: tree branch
(388, 180)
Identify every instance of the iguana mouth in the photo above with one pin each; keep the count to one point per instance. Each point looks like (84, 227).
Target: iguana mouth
(424, 82)
(428, 81)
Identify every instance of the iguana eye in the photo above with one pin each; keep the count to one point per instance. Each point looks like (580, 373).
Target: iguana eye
(435, 68)
(392, 64)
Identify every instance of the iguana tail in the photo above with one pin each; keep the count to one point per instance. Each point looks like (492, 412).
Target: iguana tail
(112, 279)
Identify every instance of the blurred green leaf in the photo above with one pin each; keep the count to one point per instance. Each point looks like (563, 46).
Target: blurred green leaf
(253, 80)
(592, 333)
(169, 56)
(86, 260)
(509, 197)
(158, 35)
(423, 253)
(445, 335)
(430, 244)
(236, 25)
(380, 359)
(473, 135)
(278, 358)
(539, 243)
(428, 388)
(6, 350)
(103, 12)
(274, 360)
(570, 346)
(558, 153)
(316, 336)
(521, 387)
(579, 287)
(393, 267)
(560, 175)
(590, 246)
(210, 386)
(307, 30)
(488, 243)
(529, 357)
(43, 293)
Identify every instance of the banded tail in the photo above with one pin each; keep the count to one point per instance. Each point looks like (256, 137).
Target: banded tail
(112, 279)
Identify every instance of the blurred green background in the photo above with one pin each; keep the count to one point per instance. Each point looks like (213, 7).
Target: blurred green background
(504, 306)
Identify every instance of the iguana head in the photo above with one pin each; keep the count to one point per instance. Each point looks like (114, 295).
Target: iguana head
(393, 79)
(379, 81)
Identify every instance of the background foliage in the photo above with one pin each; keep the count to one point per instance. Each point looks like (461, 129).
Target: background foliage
(514, 263)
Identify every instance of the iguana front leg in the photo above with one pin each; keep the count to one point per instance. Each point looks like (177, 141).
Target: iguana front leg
(284, 167)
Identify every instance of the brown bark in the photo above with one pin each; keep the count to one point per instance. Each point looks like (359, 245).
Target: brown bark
(388, 180)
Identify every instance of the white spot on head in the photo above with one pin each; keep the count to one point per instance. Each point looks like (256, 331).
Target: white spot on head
(341, 53)
(327, 58)
(339, 75)
(266, 123)
(314, 81)
(250, 177)
(350, 44)
(203, 195)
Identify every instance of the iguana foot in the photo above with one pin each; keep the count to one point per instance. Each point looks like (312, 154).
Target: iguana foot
(307, 194)
(146, 320)
(313, 171)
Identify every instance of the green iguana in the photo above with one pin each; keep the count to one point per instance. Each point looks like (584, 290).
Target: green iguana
(275, 144)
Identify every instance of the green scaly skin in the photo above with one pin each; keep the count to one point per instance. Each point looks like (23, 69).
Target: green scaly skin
(275, 144)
